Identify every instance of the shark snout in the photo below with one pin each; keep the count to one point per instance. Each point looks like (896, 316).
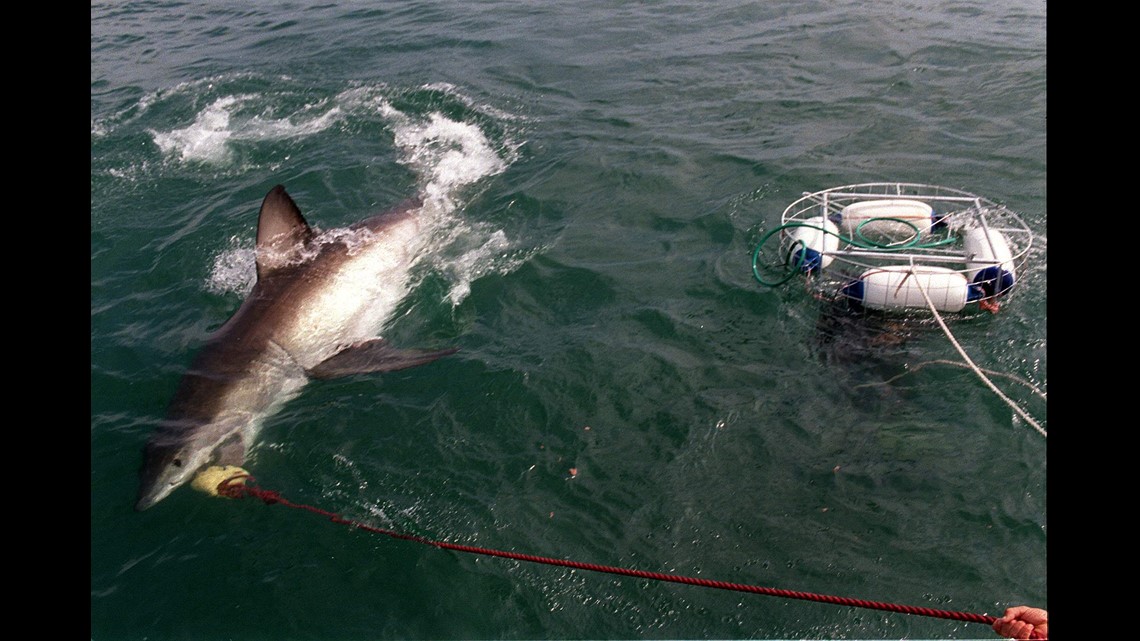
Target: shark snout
(153, 494)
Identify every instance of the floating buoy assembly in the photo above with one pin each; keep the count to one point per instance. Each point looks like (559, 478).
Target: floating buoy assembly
(891, 246)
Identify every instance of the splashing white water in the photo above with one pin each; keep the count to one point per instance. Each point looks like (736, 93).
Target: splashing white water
(234, 269)
(474, 264)
(449, 156)
(210, 137)
(205, 139)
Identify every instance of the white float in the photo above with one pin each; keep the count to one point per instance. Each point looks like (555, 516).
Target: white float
(896, 287)
(897, 219)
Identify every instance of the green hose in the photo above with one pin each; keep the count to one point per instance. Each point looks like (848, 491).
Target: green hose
(859, 241)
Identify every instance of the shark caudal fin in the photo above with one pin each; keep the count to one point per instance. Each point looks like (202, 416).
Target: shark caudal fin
(375, 355)
(281, 231)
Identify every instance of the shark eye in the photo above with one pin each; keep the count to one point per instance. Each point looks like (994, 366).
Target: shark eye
(177, 462)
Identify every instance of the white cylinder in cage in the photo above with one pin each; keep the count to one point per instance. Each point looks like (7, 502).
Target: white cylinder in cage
(989, 261)
(901, 286)
(893, 218)
(810, 244)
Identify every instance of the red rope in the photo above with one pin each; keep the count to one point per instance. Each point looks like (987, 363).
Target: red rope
(234, 488)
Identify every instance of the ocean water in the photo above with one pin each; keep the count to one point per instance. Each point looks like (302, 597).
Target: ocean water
(626, 393)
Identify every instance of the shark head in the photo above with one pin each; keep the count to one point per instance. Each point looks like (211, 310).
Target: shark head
(164, 469)
(168, 464)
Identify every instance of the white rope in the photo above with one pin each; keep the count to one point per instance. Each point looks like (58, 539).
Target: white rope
(942, 361)
(970, 363)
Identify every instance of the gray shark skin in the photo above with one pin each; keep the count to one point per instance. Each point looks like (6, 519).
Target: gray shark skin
(313, 313)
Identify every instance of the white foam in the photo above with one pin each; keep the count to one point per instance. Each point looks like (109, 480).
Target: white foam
(205, 139)
(473, 264)
(448, 155)
(364, 98)
(284, 128)
(210, 137)
(234, 269)
(454, 92)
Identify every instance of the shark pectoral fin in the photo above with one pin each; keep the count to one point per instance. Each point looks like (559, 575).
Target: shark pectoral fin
(375, 355)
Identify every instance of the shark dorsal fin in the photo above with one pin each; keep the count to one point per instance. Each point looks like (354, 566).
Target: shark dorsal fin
(281, 231)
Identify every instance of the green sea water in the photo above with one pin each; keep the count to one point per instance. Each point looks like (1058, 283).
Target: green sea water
(626, 393)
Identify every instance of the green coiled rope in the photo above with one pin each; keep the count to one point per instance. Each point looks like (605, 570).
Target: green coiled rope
(859, 241)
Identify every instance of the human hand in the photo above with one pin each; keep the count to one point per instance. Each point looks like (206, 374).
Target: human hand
(1023, 622)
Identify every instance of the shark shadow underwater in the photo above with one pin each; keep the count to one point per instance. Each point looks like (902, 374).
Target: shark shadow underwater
(313, 313)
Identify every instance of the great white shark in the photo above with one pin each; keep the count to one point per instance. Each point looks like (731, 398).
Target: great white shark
(313, 313)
